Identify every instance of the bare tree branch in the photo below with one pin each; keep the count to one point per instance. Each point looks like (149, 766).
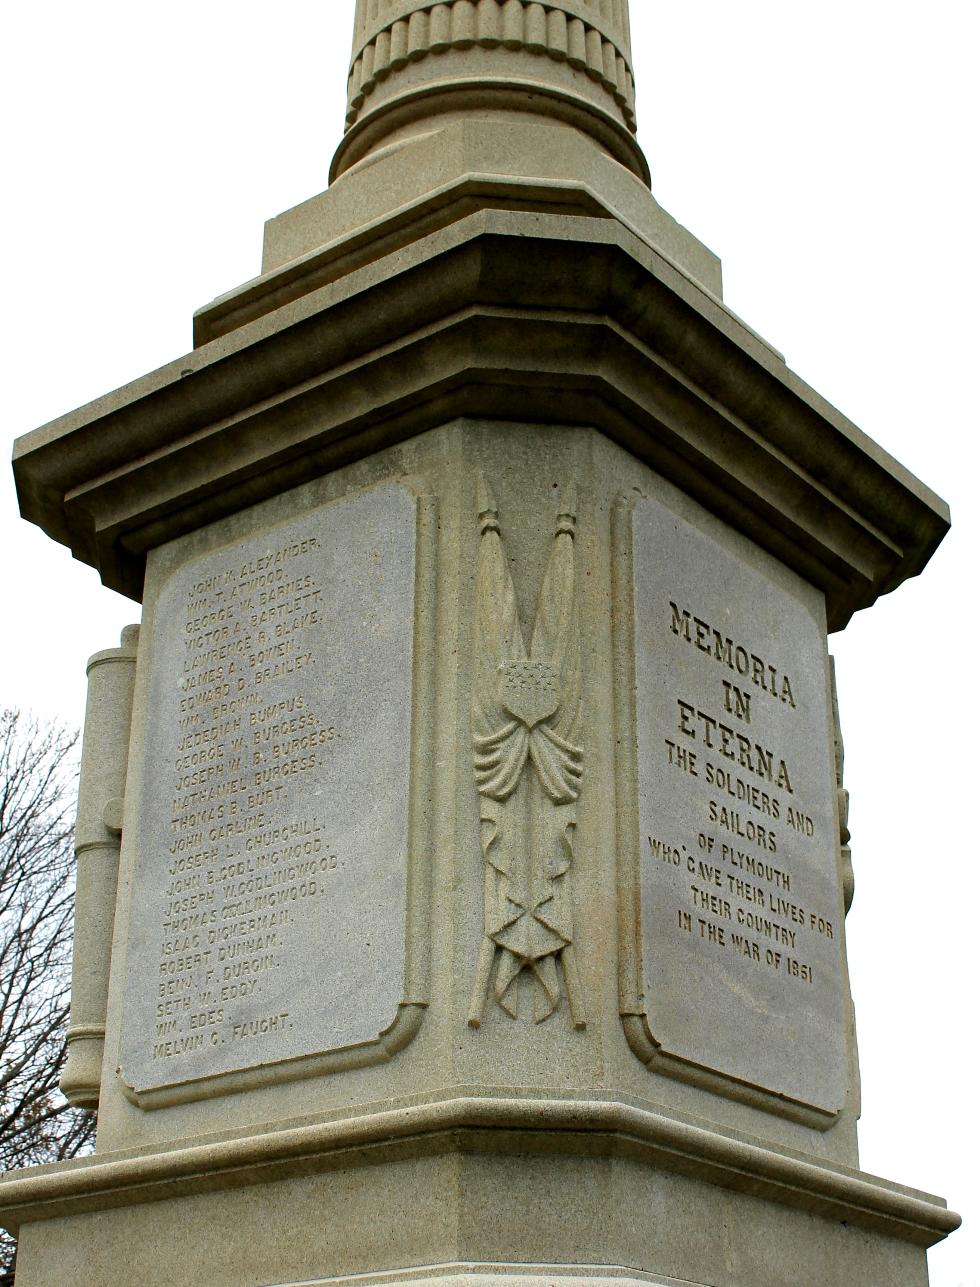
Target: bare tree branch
(38, 778)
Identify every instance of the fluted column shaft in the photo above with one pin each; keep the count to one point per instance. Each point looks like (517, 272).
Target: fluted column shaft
(566, 60)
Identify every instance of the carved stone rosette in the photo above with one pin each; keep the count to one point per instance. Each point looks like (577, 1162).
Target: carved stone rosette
(528, 768)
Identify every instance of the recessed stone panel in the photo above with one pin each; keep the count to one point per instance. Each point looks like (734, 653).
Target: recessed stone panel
(268, 921)
(736, 851)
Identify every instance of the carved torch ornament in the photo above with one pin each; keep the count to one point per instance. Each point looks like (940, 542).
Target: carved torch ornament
(528, 768)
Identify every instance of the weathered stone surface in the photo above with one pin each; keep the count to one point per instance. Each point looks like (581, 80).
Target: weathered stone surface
(740, 897)
(432, 180)
(488, 290)
(269, 924)
(325, 1205)
(565, 60)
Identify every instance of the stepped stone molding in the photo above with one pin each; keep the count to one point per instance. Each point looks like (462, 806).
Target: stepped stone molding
(589, 35)
(535, 1125)
(386, 352)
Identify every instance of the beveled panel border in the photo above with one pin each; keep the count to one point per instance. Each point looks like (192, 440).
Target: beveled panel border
(415, 1001)
(633, 1013)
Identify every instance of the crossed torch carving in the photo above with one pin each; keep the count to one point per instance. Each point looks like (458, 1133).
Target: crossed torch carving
(528, 768)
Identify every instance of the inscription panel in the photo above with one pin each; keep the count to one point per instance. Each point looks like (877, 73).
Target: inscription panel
(269, 913)
(739, 898)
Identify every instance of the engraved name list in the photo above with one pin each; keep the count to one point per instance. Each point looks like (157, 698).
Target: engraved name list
(273, 825)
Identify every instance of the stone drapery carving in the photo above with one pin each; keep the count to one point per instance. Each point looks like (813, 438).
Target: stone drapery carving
(528, 766)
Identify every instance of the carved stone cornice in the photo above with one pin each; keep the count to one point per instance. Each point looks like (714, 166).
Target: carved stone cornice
(533, 318)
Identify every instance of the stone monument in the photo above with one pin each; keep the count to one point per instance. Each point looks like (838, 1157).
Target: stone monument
(463, 850)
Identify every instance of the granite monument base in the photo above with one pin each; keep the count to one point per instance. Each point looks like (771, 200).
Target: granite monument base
(481, 899)
(473, 1190)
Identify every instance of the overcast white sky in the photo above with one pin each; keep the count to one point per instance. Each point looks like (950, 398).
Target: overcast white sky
(827, 151)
